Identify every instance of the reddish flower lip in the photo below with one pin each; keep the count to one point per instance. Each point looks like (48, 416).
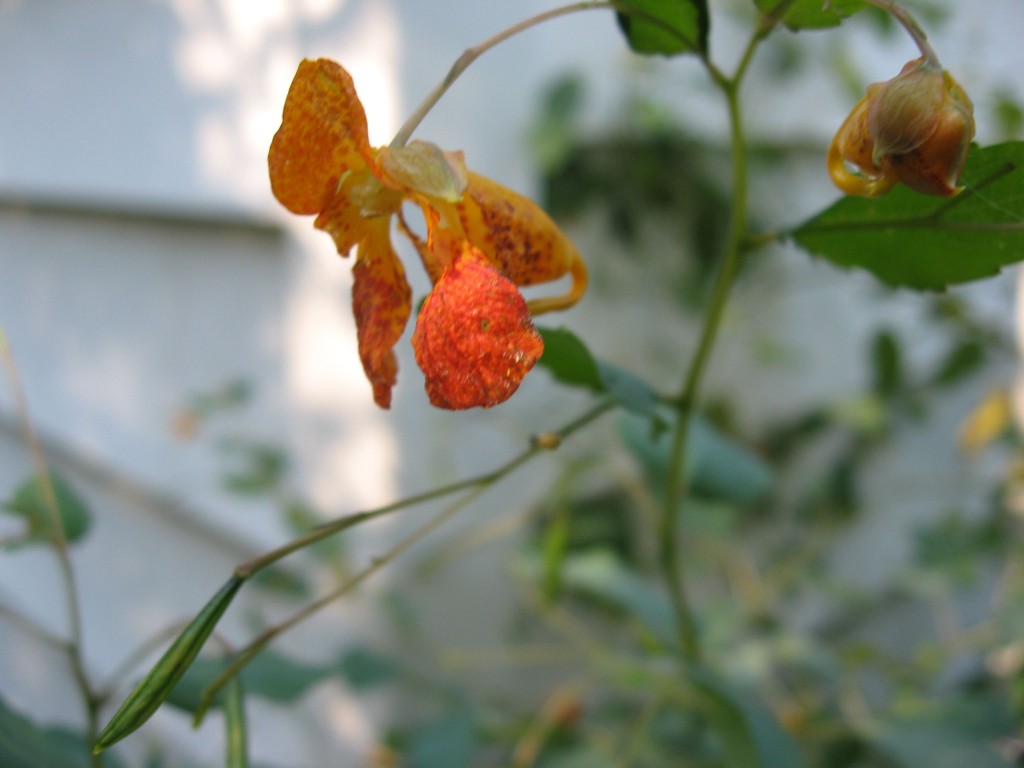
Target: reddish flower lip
(474, 339)
(483, 242)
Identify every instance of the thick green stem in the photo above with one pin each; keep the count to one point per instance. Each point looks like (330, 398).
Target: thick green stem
(676, 483)
(735, 248)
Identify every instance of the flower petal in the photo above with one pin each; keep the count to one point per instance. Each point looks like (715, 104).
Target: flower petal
(381, 302)
(360, 198)
(853, 146)
(428, 249)
(474, 339)
(322, 136)
(521, 240)
(934, 167)
(914, 129)
(902, 116)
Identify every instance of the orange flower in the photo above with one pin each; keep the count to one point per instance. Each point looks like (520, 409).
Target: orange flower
(474, 338)
(915, 129)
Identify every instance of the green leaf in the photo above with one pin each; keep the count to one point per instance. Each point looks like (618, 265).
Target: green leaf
(718, 468)
(30, 501)
(666, 27)
(555, 544)
(570, 362)
(263, 466)
(965, 358)
(581, 756)
(1008, 114)
(279, 678)
(449, 742)
(568, 359)
(916, 241)
(627, 389)
(301, 518)
(270, 675)
(23, 744)
(886, 363)
(364, 668)
(749, 732)
(161, 680)
(811, 14)
(601, 576)
(554, 133)
(232, 394)
(949, 734)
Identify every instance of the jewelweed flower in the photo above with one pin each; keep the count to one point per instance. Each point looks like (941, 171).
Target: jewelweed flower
(914, 129)
(474, 337)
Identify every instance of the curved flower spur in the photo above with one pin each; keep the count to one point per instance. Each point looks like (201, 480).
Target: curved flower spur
(474, 338)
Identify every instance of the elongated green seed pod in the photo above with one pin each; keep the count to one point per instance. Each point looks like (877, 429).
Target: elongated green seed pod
(158, 684)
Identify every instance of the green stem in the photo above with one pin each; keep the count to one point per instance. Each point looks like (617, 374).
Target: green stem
(472, 54)
(676, 482)
(250, 651)
(909, 23)
(33, 629)
(475, 486)
(545, 442)
(251, 567)
(73, 646)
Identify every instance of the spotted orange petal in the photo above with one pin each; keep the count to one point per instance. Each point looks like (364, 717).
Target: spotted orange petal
(474, 339)
(521, 240)
(381, 302)
(360, 199)
(322, 136)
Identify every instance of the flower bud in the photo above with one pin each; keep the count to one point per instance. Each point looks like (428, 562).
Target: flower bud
(914, 129)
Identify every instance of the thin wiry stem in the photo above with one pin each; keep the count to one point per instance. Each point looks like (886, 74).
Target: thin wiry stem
(34, 629)
(73, 646)
(250, 651)
(251, 567)
(474, 487)
(472, 54)
(909, 23)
